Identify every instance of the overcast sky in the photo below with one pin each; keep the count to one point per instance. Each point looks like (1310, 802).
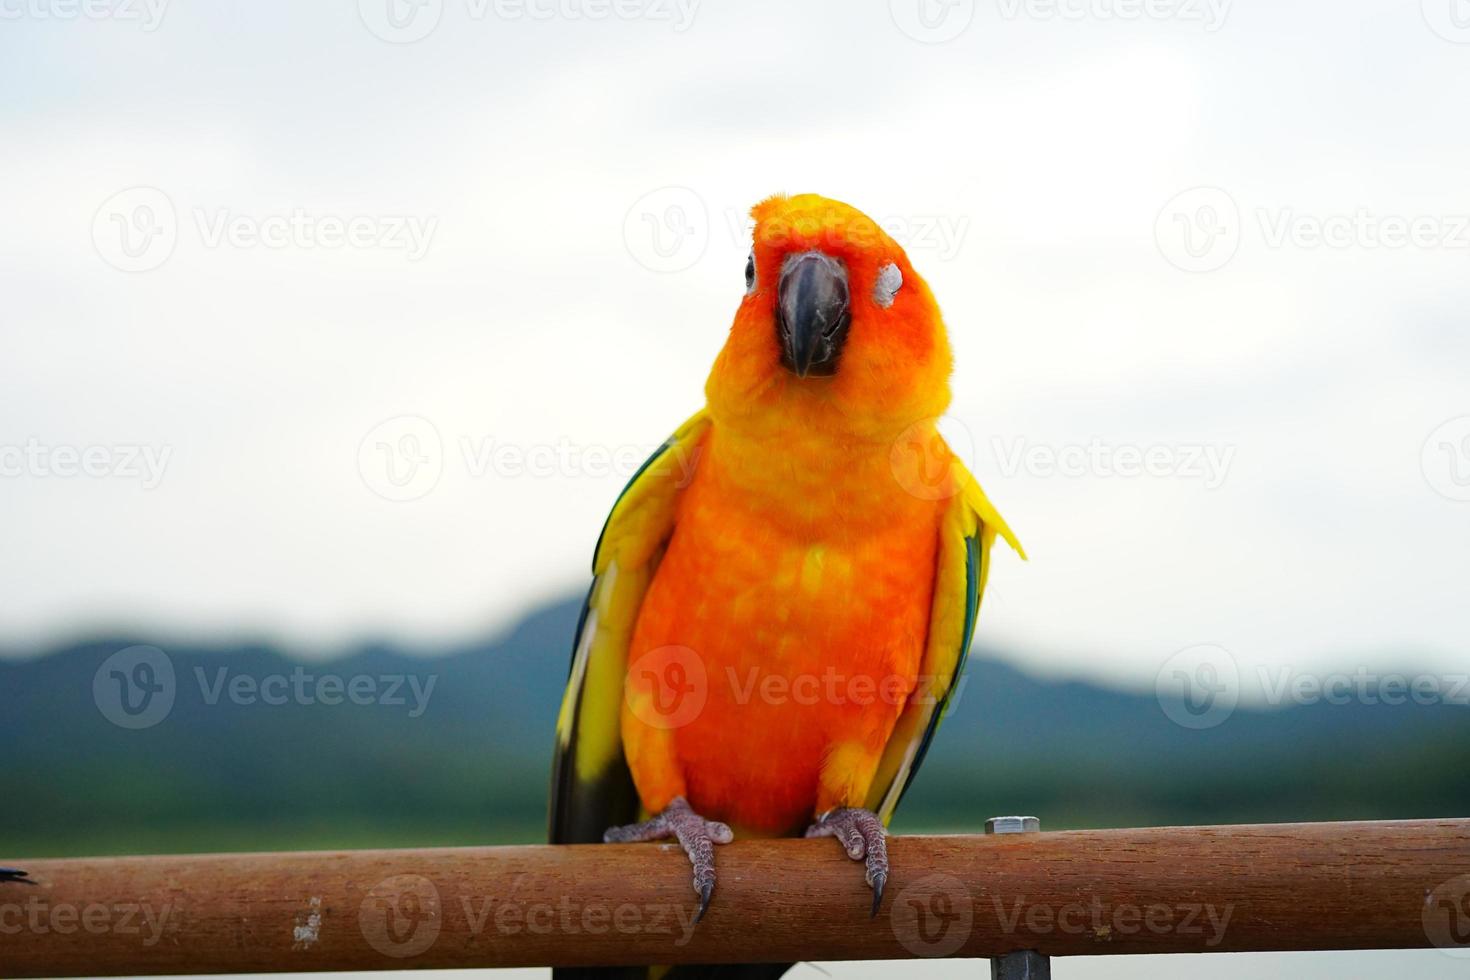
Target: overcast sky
(331, 321)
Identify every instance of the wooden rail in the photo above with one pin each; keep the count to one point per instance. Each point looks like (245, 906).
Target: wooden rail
(1167, 890)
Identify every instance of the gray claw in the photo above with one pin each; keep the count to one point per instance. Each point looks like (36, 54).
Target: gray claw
(695, 834)
(704, 895)
(861, 835)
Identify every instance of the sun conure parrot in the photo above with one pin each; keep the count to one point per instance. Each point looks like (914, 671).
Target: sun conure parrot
(785, 593)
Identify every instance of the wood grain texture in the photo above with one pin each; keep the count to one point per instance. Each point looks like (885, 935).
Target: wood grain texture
(1164, 890)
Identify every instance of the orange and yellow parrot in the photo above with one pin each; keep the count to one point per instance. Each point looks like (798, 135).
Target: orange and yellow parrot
(784, 595)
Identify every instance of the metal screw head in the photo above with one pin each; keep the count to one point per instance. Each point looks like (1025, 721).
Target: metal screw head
(1013, 825)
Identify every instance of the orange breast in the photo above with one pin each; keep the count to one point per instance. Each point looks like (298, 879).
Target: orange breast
(805, 600)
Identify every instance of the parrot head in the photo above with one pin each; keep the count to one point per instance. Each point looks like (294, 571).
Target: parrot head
(835, 325)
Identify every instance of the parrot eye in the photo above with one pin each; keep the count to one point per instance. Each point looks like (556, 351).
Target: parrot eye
(889, 282)
(750, 272)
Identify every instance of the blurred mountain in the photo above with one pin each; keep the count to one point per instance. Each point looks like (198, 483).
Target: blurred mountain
(465, 760)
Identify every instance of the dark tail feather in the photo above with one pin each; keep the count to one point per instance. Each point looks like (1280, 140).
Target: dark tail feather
(10, 874)
(732, 971)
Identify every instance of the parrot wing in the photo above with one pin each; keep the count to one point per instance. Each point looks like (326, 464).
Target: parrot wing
(967, 532)
(591, 787)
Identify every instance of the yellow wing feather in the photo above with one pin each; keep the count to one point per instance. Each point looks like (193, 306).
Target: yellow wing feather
(591, 788)
(967, 532)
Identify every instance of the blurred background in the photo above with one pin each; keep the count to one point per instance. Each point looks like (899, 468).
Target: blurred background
(330, 332)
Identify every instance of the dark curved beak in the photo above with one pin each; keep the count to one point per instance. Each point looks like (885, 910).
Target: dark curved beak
(813, 312)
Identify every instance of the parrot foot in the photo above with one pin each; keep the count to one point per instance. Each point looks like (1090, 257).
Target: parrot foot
(861, 835)
(10, 874)
(695, 834)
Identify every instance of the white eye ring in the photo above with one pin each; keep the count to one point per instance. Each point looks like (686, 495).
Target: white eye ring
(889, 282)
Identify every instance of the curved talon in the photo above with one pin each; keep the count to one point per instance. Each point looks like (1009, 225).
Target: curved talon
(12, 874)
(861, 835)
(704, 897)
(696, 835)
(879, 880)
